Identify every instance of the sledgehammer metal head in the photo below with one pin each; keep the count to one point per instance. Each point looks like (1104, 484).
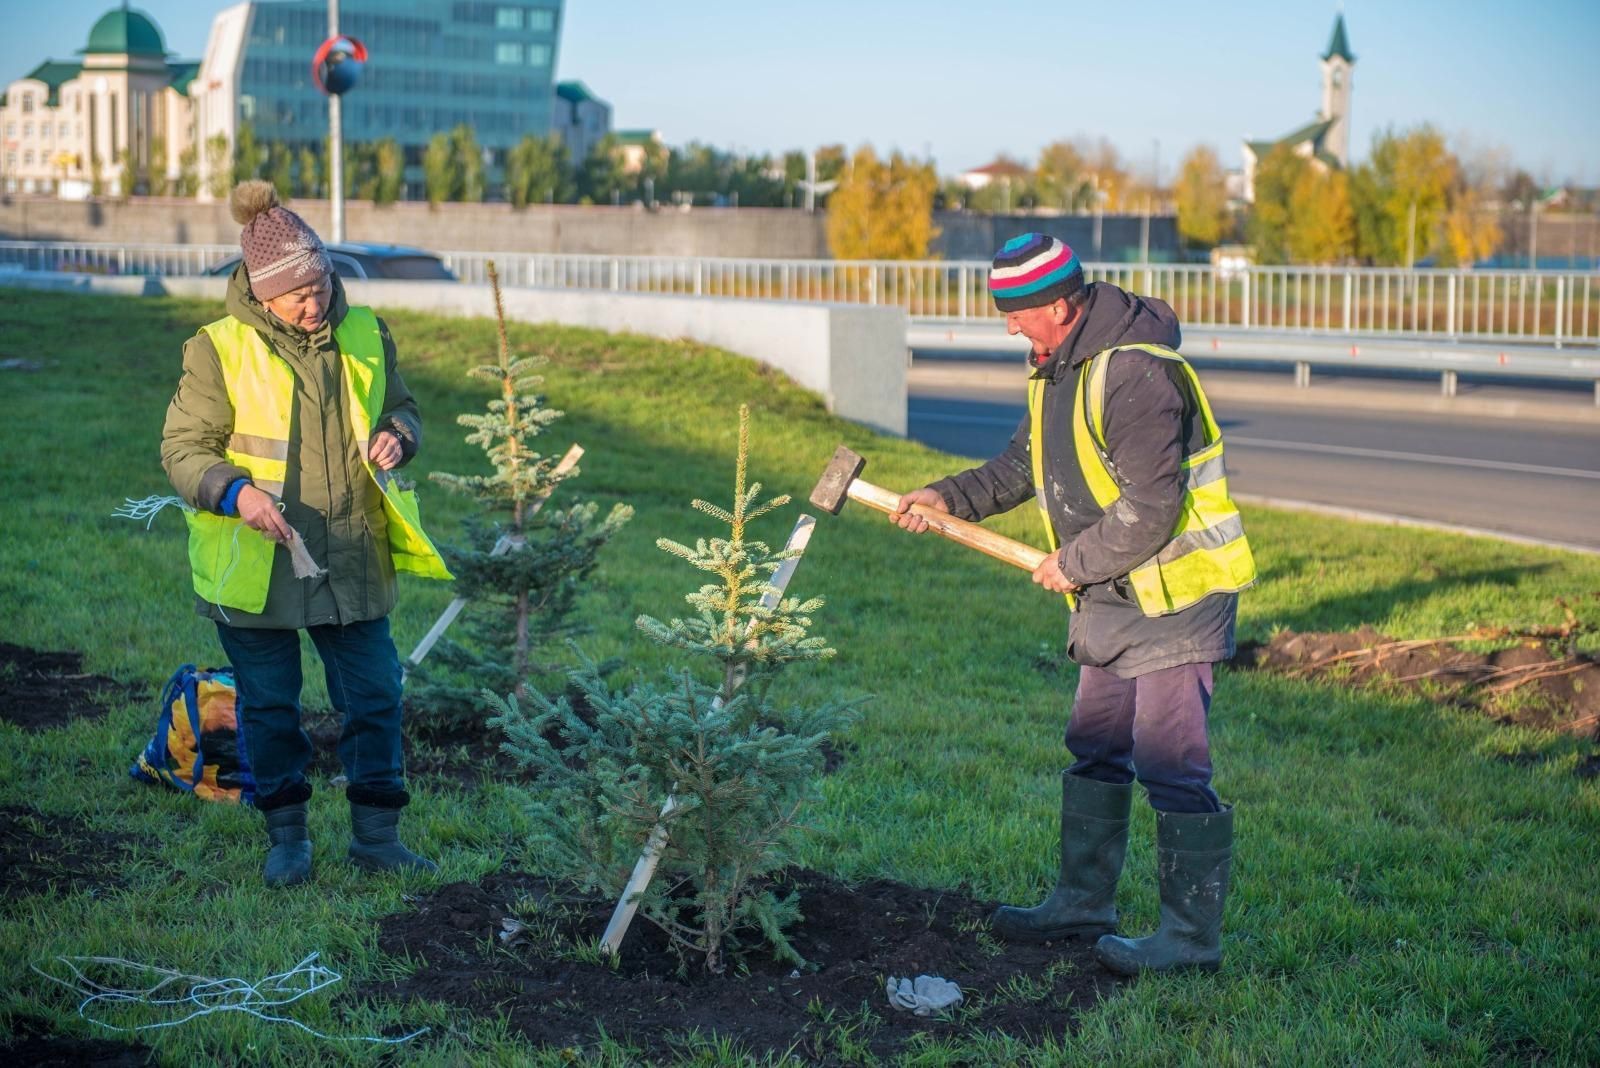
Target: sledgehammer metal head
(833, 488)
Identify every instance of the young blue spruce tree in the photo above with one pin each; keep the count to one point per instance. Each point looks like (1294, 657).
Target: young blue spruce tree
(739, 768)
(522, 597)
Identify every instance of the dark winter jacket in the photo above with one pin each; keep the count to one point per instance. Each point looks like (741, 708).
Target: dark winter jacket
(1151, 422)
(328, 495)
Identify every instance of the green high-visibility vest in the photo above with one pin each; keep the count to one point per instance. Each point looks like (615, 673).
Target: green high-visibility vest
(1207, 551)
(232, 565)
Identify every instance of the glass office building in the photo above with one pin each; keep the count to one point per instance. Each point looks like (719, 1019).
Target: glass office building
(435, 65)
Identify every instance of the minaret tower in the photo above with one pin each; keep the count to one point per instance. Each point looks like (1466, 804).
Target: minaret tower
(1337, 66)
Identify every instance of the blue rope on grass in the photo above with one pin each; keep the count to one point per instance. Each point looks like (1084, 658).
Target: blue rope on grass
(207, 995)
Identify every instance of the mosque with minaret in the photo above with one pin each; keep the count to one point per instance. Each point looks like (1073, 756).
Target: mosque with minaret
(1325, 141)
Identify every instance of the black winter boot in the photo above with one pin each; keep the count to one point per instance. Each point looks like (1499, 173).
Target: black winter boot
(375, 841)
(1193, 854)
(289, 859)
(1094, 838)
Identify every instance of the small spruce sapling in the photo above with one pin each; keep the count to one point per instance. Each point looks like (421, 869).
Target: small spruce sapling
(740, 768)
(520, 600)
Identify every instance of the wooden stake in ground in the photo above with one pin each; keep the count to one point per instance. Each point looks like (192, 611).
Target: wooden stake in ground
(645, 869)
(501, 547)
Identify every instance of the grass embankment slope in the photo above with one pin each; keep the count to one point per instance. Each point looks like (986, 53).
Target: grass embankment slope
(1402, 894)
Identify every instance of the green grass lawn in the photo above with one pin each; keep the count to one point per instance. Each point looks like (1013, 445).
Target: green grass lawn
(1402, 893)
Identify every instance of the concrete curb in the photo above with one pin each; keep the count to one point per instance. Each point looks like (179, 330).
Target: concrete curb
(1221, 388)
(1315, 396)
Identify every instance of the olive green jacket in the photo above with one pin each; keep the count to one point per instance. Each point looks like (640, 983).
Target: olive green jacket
(328, 496)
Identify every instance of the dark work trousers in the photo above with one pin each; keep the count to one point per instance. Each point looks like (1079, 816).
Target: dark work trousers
(1152, 727)
(363, 672)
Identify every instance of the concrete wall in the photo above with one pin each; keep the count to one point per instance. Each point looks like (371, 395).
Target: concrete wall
(765, 233)
(855, 356)
(755, 233)
(976, 237)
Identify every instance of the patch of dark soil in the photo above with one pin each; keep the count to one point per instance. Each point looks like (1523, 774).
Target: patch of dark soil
(1529, 683)
(43, 690)
(32, 1044)
(462, 756)
(853, 939)
(1589, 766)
(56, 854)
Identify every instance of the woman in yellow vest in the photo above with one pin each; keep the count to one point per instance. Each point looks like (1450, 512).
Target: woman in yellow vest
(287, 421)
(1122, 455)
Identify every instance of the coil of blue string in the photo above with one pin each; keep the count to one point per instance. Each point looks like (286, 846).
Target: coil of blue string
(203, 995)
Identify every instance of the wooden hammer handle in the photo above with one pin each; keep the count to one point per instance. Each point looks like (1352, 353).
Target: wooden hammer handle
(971, 535)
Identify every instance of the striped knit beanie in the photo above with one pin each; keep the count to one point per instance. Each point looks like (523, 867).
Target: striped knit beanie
(280, 251)
(1033, 270)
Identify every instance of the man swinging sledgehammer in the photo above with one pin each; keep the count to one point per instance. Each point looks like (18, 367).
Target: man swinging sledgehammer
(1124, 458)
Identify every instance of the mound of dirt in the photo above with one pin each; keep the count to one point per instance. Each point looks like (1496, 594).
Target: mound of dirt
(42, 690)
(1528, 683)
(32, 1044)
(853, 939)
(42, 854)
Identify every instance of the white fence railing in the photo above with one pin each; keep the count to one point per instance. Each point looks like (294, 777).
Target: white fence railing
(1549, 307)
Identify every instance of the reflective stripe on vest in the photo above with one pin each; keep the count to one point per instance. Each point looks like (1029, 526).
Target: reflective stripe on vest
(1207, 551)
(232, 565)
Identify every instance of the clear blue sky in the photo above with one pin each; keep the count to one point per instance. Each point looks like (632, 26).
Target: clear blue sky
(964, 81)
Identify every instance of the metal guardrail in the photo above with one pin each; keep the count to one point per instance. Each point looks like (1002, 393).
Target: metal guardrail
(83, 257)
(1302, 353)
(1547, 307)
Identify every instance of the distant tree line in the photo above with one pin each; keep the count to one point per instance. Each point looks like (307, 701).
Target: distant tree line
(1415, 199)
(1412, 200)
(536, 170)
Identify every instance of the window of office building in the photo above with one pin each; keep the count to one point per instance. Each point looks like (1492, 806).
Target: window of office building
(27, 103)
(541, 19)
(538, 55)
(27, 158)
(508, 18)
(508, 52)
(27, 129)
(63, 132)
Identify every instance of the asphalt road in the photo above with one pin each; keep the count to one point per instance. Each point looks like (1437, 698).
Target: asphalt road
(1528, 479)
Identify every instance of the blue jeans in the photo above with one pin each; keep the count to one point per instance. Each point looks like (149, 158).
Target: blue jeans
(363, 673)
(1152, 727)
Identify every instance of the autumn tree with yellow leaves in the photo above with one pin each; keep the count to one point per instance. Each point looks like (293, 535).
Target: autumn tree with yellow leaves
(1412, 200)
(883, 209)
(1321, 225)
(1202, 198)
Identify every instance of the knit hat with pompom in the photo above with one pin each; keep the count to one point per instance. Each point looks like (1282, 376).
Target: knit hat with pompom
(280, 251)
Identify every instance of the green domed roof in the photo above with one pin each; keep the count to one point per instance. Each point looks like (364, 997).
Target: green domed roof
(125, 32)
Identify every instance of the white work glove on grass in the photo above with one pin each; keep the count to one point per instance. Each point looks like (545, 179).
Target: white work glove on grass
(924, 995)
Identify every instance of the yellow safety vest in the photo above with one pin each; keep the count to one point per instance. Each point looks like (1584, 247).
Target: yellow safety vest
(232, 564)
(1207, 552)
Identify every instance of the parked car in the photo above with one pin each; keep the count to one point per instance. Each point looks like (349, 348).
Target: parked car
(357, 261)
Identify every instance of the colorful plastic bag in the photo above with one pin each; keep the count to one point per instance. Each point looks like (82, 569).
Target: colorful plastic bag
(199, 744)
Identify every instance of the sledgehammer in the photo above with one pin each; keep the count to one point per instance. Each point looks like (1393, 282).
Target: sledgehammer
(841, 482)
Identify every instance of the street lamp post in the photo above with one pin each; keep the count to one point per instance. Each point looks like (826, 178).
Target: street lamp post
(335, 143)
(1533, 234)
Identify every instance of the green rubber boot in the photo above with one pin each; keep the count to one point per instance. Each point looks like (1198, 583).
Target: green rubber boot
(1193, 853)
(1094, 839)
(289, 858)
(375, 841)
